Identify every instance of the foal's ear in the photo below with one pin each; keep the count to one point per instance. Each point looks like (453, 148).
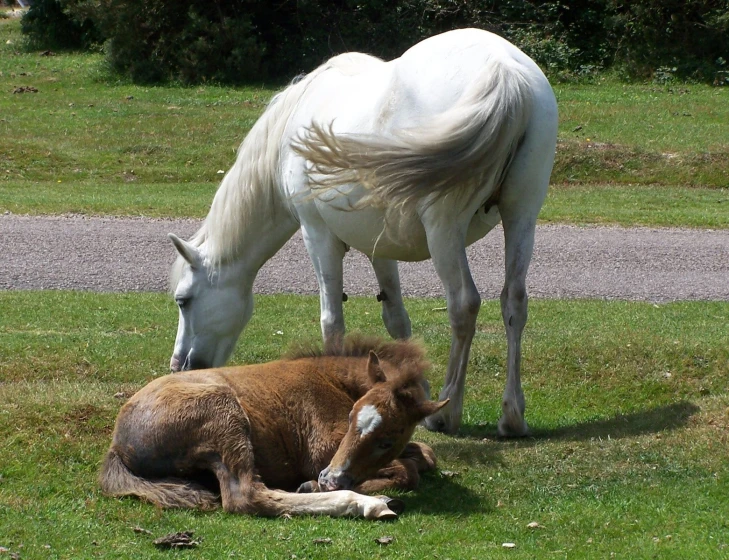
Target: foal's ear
(427, 408)
(374, 370)
(186, 250)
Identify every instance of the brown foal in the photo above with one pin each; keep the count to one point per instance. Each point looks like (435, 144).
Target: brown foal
(332, 425)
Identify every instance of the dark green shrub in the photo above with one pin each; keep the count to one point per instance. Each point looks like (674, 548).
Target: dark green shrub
(238, 41)
(688, 37)
(52, 24)
(186, 40)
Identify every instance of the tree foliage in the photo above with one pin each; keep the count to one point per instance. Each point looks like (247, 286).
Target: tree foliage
(236, 41)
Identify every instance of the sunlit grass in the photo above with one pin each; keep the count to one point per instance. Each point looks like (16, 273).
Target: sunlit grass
(628, 403)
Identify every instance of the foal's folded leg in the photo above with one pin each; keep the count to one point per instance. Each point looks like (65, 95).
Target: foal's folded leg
(253, 497)
(421, 454)
(402, 473)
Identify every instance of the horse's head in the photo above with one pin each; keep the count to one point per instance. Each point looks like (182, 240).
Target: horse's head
(214, 308)
(381, 424)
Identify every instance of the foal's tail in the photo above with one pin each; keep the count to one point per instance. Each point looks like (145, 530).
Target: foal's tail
(117, 480)
(465, 149)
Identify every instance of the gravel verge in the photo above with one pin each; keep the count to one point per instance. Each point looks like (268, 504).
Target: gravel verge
(133, 254)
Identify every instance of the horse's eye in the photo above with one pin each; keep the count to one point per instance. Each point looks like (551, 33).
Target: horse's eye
(182, 302)
(385, 444)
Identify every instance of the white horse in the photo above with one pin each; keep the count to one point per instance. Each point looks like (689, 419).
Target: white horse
(401, 160)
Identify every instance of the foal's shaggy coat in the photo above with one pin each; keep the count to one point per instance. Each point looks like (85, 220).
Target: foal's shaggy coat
(345, 418)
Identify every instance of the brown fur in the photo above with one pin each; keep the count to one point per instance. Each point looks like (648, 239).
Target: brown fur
(273, 425)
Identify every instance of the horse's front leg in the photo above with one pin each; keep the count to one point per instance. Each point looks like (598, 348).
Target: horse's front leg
(326, 252)
(394, 315)
(448, 253)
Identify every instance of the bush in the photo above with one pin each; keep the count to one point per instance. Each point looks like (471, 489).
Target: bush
(238, 41)
(691, 37)
(187, 40)
(52, 24)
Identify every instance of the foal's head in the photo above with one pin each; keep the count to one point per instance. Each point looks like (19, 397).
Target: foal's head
(380, 425)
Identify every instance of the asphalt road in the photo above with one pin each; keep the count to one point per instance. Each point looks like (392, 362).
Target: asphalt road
(128, 254)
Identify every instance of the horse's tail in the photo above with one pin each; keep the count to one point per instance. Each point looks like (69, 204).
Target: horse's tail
(117, 480)
(464, 149)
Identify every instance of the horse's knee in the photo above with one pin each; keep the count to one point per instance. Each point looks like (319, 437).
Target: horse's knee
(463, 312)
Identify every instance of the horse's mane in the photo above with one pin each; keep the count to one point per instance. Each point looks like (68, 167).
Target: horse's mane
(247, 193)
(408, 356)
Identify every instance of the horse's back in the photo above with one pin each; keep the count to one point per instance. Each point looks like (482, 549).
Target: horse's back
(438, 98)
(367, 96)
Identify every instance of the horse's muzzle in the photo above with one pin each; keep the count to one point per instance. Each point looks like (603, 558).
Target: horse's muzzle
(334, 480)
(175, 365)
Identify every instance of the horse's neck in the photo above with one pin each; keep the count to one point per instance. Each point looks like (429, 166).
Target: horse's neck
(263, 238)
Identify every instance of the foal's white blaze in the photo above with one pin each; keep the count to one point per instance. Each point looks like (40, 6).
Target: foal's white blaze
(368, 419)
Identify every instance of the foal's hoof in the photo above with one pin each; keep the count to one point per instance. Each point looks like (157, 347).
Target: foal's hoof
(308, 487)
(393, 504)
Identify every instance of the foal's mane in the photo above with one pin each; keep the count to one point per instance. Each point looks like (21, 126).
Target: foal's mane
(408, 356)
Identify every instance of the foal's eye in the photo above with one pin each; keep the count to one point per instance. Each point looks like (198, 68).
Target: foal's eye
(182, 302)
(385, 444)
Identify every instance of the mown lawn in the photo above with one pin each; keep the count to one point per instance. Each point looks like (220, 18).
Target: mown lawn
(628, 403)
(88, 143)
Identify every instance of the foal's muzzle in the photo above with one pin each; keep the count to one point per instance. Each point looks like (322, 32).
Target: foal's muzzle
(334, 480)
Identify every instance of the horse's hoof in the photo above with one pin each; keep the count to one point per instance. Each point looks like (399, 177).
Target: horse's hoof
(436, 423)
(393, 504)
(508, 430)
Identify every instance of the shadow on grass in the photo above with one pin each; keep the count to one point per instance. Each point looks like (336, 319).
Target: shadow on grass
(660, 419)
(439, 494)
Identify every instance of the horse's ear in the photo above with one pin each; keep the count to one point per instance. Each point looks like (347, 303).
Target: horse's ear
(374, 370)
(186, 250)
(426, 408)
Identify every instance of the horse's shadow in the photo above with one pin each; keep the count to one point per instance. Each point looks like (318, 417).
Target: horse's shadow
(660, 419)
(479, 445)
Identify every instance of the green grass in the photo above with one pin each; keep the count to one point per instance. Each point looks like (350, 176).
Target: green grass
(637, 205)
(628, 403)
(88, 143)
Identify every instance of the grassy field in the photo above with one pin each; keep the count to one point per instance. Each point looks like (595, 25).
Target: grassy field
(628, 403)
(84, 142)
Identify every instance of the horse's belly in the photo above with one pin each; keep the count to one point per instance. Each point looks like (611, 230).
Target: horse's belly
(398, 237)
(404, 239)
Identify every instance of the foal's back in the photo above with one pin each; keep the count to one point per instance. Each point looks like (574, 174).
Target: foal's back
(291, 414)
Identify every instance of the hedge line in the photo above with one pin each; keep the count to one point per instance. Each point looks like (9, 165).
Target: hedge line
(238, 41)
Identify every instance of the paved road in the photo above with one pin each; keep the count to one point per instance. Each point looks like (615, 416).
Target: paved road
(127, 254)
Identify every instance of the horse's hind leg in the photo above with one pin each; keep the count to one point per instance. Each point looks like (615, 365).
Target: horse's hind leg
(519, 241)
(394, 315)
(448, 253)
